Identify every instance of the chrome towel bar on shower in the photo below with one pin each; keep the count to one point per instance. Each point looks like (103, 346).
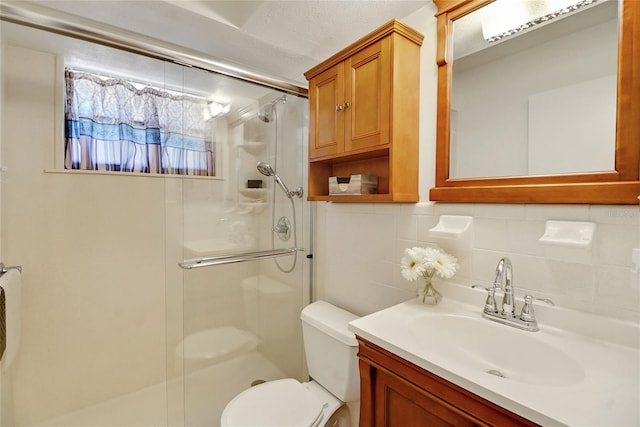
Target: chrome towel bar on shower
(231, 258)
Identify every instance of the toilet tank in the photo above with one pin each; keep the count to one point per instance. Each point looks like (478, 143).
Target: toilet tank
(331, 349)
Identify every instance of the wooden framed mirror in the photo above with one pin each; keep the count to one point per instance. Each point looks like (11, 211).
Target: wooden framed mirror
(617, 184)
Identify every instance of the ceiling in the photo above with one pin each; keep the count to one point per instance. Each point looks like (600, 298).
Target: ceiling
(278, 38)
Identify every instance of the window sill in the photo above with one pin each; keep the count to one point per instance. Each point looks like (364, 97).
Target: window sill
(129, 174)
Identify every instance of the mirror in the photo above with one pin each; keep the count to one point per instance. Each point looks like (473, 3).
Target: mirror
(548, 114)
(551, 102)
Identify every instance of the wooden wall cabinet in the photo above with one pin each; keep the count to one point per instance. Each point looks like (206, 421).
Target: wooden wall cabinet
(397, 393)
(364, 114)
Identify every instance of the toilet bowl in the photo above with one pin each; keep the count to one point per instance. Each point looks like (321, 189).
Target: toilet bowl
(331, 352)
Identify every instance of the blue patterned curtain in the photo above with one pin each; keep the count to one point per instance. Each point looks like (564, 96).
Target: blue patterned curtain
(111, 125)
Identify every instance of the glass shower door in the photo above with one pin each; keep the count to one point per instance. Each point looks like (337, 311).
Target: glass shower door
(233, 315)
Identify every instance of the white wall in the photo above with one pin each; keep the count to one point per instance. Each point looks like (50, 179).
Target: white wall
(359, 246)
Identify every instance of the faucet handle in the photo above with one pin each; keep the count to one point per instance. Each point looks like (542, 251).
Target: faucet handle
(490, 303)
(527, 314)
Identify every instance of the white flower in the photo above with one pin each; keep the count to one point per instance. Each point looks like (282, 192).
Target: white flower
(431, 256)
(427, 262)
(412, 263)
(445, 264)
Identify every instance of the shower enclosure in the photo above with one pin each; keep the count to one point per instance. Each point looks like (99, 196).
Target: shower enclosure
(149, 300)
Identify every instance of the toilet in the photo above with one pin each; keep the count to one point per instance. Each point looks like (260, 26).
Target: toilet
(331, 352)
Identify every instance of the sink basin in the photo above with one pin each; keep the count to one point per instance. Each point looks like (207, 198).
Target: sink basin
(498, 350)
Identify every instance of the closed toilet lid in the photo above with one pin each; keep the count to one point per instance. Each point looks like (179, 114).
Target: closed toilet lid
(282, 403)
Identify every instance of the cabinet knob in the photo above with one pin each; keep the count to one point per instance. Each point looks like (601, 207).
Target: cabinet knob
(346, 104)
(338, 107)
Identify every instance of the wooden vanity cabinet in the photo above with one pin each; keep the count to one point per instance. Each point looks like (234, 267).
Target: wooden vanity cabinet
(397, 393)
(364, 113)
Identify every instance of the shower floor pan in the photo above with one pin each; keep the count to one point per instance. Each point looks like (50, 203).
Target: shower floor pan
(206, 392)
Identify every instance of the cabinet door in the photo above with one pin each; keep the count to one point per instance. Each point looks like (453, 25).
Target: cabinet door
(326, 119)
(397, 393)
(368, 96)
(401, 404)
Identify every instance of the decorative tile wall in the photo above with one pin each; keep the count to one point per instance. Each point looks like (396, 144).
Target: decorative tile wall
(359, 247)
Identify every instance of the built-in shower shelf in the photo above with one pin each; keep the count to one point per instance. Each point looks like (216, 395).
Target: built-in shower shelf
(255, 206)
(252, 147)
(217, 344)
(254, 193)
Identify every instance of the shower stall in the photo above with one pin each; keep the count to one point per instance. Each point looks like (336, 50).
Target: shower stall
(149, 300)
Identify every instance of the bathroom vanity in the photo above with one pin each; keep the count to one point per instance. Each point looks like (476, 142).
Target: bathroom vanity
(395, 392)
(447, 365)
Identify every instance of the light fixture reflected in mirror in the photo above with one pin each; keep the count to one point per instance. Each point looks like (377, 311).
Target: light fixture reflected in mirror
(504, 18)
(216, 109)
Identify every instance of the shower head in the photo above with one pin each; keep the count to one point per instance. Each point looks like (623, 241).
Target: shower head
(265, 113)
(266, 170)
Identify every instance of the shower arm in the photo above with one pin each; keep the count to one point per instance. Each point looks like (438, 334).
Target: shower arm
(298, 192)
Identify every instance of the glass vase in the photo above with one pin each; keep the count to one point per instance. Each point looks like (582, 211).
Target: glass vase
(428, 294)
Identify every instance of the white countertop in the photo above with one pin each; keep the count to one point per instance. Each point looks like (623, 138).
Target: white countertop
(583, 371)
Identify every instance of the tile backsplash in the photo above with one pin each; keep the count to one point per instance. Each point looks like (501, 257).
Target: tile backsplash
(359, 247)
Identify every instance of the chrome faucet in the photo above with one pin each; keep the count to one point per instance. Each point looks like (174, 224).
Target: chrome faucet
(504, 281)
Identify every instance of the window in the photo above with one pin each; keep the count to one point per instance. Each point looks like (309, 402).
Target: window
(116, 125)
